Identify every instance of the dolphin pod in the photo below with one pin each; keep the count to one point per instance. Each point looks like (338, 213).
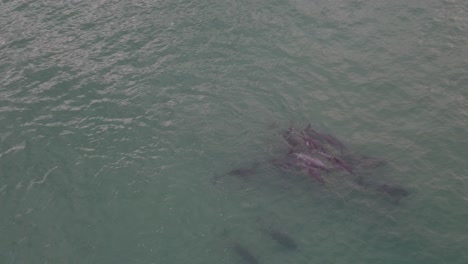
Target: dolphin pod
(315, 154)
(312, 152)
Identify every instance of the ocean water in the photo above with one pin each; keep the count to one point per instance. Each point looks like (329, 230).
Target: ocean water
(121, 120)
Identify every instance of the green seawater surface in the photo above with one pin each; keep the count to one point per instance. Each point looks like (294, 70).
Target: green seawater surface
(120, 120)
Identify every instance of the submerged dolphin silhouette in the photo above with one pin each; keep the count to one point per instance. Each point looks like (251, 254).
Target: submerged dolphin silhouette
(245, 254)
(241, 173)
(284, 239)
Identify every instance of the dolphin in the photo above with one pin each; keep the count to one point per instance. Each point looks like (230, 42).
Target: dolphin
(290, 139)
(285, 165)
(333, 141)
(341, 163)
(316, 175)
(245, 254)
(394, 191)
(241, 173)
(312, 143)
(284, 239)
(311, 161)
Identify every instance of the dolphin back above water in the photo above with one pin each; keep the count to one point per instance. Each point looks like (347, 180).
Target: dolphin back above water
(311, 161)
